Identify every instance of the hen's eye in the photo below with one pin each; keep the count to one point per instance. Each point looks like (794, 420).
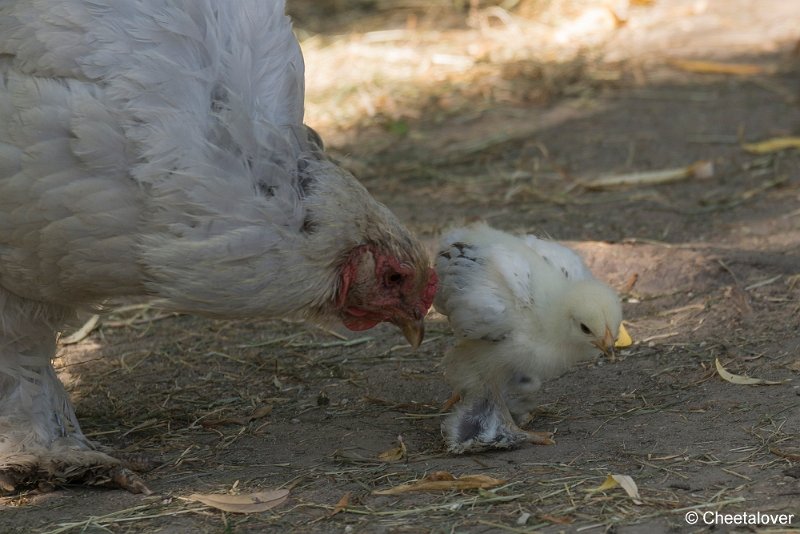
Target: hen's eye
(585, 329)
(392, 279)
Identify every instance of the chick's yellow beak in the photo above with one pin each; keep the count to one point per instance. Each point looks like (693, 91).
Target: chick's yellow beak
(623, 339)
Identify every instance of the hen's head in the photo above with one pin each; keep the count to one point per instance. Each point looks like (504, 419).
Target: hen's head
(595, 315)
(382, 272)
(394, 284)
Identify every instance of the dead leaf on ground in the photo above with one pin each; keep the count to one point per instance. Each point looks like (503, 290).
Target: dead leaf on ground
(792, 453)
(623, 481)
(700, 169)
(557, 519)
(258, 413)
(342, 505)
(243, 504)
(444, 481)
(739, 379)
(629, 283)
(716, 67)
(741, 300)
(395, 454)
(261, 411)
(775, 144)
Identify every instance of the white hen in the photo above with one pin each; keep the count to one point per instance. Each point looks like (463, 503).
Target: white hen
(157, 147)
(523, 310)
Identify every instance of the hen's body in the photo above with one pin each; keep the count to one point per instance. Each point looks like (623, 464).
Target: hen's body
(158, 148)
(523, 311)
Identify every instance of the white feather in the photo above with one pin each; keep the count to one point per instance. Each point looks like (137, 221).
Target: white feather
(565, 259)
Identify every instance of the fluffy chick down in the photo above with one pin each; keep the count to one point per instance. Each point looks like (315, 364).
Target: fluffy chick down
(523, 310)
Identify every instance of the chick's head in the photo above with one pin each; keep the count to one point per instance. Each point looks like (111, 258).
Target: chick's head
(594, 313)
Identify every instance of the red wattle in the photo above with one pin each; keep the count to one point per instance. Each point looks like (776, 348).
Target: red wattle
(357, 325)
(430, 290)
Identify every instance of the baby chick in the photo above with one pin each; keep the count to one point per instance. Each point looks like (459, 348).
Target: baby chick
(524, 310)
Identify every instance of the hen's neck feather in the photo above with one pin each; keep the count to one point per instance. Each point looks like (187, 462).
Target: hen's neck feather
(185, 118)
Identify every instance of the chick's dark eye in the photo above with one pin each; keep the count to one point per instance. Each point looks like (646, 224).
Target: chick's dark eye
(585, 329)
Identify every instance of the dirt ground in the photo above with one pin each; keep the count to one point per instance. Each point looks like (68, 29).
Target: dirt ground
(497, 130)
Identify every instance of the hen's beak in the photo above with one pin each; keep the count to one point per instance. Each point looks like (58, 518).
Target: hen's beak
(623, 339)
(413, 329)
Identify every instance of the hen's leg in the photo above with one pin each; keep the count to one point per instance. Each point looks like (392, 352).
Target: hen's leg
(40, 438)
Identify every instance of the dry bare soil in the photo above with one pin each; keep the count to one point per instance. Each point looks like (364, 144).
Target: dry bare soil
(509, 135)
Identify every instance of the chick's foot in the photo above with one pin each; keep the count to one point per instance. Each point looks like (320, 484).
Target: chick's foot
(480, 425)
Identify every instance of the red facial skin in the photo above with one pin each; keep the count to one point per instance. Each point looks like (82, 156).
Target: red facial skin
(395, 295)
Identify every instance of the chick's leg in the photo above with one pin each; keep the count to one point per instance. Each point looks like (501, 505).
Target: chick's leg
(41, 442)
(511, 424)
(519, 395)
(454, 399)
